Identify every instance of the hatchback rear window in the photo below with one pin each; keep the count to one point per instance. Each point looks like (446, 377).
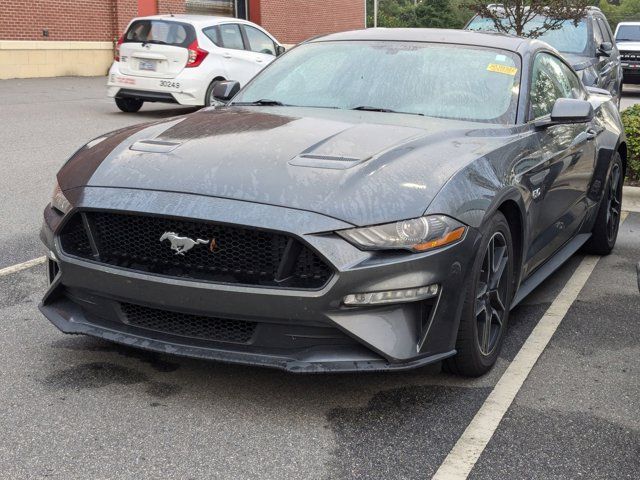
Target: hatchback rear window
(160, 32)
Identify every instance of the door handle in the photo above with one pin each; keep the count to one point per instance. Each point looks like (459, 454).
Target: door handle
(259, 60)
(226, 55)
(591, 133)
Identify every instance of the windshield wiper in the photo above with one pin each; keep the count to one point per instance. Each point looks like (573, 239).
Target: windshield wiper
(262, 101)
(154, 42)
(367, 108)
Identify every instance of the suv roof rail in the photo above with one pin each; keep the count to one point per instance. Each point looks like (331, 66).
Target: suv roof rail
(593, 7)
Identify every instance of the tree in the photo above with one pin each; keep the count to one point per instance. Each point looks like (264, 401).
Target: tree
(626, 10)
(517, 16)
(419, 13)
(435, 14)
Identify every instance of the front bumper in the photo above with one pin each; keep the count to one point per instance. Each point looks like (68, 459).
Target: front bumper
(298, 330)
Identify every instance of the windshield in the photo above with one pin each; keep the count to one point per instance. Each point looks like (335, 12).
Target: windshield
(436, 80)
(569, 38)
(628, 33)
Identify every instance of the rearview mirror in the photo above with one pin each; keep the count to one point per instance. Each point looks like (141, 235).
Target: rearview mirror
(280, 50)
(567, 111)
(605, 49)
(225, 90)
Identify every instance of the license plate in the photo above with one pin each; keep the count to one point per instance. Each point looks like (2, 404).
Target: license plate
(147, 65)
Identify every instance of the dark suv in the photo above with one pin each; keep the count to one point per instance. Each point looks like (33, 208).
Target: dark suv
(587, 46)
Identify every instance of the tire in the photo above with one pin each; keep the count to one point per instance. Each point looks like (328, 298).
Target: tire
(478, 347)
(208, 99)
(129, 105)
(605, 231)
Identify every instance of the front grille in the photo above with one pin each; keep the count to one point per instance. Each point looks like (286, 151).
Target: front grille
(630, 56)
(225, 254)
(185, 325)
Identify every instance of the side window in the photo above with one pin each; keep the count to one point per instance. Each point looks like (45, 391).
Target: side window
(259, 42)
(606, 31)
(213, 34)
(598, 37)
(230, 36)
(552, 79)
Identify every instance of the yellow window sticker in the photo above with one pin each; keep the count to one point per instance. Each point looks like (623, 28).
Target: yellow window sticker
(494, 67)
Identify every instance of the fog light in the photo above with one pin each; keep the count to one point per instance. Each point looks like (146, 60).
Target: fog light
(392, 296)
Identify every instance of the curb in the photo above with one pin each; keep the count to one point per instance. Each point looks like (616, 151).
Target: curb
(631, 199)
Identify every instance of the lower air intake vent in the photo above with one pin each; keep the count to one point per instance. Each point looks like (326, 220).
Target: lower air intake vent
(192, 326)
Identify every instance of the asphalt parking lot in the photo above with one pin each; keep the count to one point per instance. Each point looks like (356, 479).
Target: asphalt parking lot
(75, 407)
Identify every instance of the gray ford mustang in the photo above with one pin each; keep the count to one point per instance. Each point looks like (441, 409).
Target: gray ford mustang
(373, 200)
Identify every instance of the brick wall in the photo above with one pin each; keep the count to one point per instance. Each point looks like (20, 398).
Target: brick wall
(72, 20)
(124, 11)
(87, 20)
(292, 21)
(170, 6)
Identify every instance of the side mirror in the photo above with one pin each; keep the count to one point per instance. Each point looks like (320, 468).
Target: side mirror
(571, 110)
(605, 49)
(280, 50)
(226, 90)
(567, 111)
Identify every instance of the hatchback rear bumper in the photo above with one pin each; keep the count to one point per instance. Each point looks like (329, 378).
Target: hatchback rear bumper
(186, 88)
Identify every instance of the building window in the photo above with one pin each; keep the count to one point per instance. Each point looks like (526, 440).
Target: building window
(228, 8)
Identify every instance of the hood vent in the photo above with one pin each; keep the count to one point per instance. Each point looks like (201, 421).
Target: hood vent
(334, 162)
(154, 146)
(354, 145)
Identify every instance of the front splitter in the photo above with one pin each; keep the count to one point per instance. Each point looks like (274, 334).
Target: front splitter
(74, 324)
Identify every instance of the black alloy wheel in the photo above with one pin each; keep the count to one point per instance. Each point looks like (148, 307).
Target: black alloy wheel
(607, 223)
(614, 203)
(491, 294)
(487, 301)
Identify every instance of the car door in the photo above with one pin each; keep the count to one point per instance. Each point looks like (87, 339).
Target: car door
(559, 180)
(240, 63)
(611, 68)
(262, 46)
(604, 66)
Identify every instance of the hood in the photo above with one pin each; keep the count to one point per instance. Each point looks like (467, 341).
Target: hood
(628, 46)
(346, 165)
(579, 62)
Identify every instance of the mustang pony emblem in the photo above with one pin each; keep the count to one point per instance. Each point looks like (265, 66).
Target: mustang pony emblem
(181, 244)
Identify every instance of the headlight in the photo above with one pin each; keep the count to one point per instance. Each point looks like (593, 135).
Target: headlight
(59, 201)
(417, 234)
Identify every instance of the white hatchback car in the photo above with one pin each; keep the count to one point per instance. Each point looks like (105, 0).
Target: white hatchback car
(179, 58)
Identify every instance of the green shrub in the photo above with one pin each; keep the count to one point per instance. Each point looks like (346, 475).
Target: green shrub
(631, 120)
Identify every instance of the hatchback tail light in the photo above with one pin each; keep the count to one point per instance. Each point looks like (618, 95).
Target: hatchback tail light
(196, 55)
(116, 55)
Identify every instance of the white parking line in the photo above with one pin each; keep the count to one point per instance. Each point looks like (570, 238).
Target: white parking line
(465, 453)
(22, 266)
